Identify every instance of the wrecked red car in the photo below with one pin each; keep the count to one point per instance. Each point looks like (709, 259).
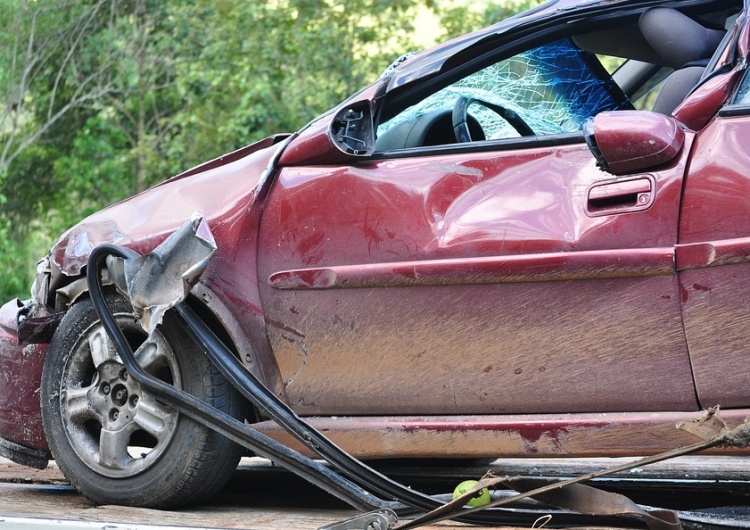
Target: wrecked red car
(531, 240)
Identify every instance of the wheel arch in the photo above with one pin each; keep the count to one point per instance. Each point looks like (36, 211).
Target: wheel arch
(209, 307)
(97, 418)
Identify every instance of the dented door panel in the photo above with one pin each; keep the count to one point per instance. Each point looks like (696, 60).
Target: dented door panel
(472, 283)
(714, 259)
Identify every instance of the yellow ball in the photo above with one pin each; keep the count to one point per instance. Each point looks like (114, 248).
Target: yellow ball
(480, 498)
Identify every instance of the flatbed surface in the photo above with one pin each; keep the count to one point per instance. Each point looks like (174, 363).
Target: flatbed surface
(262, 496)
(29, 495)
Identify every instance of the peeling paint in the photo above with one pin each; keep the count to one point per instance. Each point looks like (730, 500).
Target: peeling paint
(304, 355)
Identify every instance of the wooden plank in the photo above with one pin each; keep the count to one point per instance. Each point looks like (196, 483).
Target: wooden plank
(262, 497)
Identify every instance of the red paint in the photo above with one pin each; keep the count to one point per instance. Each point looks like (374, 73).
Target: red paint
(530, 430)
(483, 294)
(512, 436)
(714, 260)
(20, 373)
(685, 295)
(493, 255)
(530, 267)
(648, 140)
(697, 110)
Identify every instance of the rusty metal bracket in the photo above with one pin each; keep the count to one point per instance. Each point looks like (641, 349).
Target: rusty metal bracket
(377, 520)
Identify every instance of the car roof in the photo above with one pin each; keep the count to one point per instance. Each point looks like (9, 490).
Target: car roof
(553, 12)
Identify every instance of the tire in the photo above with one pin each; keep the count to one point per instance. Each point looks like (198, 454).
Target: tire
(117, 444)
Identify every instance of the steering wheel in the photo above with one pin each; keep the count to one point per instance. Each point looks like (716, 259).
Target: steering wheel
(461, 111)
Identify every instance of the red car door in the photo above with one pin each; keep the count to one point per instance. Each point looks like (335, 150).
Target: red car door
(509, 275)
(472, 283)
(714, 252)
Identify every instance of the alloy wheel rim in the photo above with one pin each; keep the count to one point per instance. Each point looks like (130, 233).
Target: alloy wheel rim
(114, 427)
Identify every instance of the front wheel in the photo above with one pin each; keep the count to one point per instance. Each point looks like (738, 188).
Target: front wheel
(114, 441)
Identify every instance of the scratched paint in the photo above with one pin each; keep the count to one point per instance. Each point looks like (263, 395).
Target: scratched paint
(578, 435)
(404, 248)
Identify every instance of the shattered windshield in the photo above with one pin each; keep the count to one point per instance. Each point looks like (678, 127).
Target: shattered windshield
(743, 94)
(554, 88)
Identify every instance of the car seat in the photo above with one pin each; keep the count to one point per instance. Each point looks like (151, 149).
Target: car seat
(682, 44)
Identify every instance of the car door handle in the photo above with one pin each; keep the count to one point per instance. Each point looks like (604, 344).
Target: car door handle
(620, 196)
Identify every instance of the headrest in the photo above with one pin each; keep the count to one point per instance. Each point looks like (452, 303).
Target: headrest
(677, 38)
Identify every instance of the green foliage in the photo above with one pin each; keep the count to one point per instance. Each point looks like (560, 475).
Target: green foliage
(102, 98)
(9, 262)
(98, 166)
(458, 19)
(9, 257)
(250, 69)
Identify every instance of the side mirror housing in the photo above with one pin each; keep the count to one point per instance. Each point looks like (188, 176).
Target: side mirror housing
(632, 141)
(344, 136)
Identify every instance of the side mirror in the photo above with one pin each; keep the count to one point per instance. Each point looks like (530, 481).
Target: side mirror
(632, 141)
(352, 130)
(345, 136)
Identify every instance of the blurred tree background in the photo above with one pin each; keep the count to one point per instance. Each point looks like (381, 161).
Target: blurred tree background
(100, 99)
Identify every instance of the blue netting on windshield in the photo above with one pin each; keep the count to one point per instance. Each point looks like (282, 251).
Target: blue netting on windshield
(554, 88)
(580, 84)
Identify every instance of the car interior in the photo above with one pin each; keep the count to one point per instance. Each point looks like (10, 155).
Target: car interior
(649, 63)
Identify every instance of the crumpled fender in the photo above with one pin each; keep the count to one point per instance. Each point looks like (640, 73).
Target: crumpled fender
(20, 412)
(221, 190)
(224, 190)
